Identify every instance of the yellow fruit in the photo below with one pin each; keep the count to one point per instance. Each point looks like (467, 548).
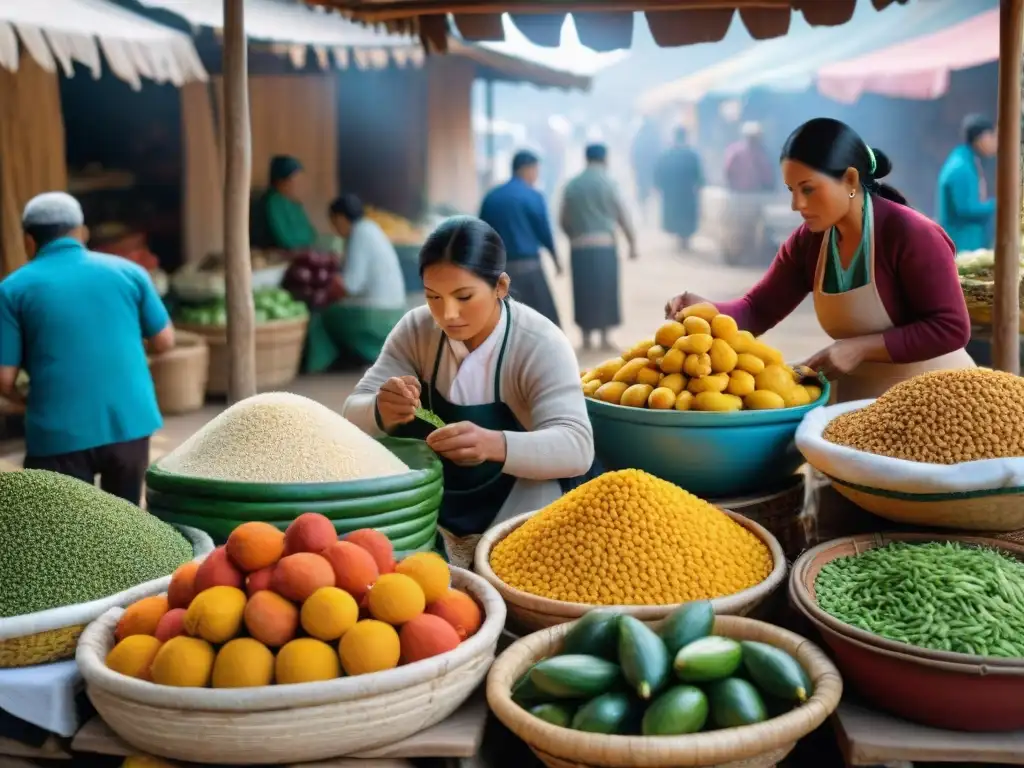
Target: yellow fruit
(636, 396)
(216, 614)
(588, 376)
(133, 656)
(145, 761)
(662, 399)
(747, 362)
(770, 355)
(704, 310)
(629, 371)
(741, 383)
(611, 392)
(723, 357)
(669, 333)
(795, 397)
(656, 353)
(813, 391)
(608, 368)
(775, 378)
(396, 598)
(590, 387)
(243, 663)
(723, 327)
(697, 344)
(370, 646)
(714, 383)
(638, 350)
(763, 400)
(696, 366)
(306, 660)
(673, 361)
(649, 375)
(716, 401)
(184, 662)
(684, 401)
(694, 324)
(674, 381)
(330, 612)
(430, 571)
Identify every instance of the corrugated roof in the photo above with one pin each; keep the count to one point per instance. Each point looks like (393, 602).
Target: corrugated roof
(65, 32)
(602, 26)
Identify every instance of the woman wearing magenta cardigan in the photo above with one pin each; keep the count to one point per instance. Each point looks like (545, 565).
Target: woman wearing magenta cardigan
(882, 275)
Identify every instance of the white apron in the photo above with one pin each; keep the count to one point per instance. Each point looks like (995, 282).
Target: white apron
(860, 312)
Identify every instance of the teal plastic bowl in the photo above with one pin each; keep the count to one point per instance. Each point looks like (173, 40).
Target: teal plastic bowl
(711, 455)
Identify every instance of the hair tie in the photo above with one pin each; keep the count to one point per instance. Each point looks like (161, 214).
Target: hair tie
(871, 157)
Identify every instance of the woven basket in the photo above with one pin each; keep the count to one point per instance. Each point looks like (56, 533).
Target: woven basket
(754, 746)
(531, 612)
(179, 376)
(48, 636)
(778, 511)
(981, 314)
(279, 345)
(290, 723)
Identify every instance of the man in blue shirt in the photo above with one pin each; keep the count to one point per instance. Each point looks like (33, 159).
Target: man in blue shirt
(75, 322)
(519, 214)
(964, 208)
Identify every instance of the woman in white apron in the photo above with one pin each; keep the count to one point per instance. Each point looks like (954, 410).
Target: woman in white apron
(883, 277)
(502, 377)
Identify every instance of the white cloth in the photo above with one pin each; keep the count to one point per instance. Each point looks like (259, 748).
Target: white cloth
(881, 472)
(473, 383)
(43, 695)
(372, 272)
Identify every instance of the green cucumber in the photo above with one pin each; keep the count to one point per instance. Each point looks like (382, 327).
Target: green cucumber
(776, 672)
(643, 656)
(576, 676)
(556, 714)
(707, 659)
(608, 713)
(526, 694)
(735, 702)
(596, 634)
(679, 710)
(684, 625)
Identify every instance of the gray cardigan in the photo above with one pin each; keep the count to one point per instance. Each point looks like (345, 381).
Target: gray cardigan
(540, 382)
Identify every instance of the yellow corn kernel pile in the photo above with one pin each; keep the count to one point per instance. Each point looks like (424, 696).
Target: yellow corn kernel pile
(628, 538)
(942, 417)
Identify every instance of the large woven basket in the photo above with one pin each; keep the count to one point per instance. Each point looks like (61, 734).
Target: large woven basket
(290, 723)
(279, 346)
(48, 636)
(179, 376)
(531, 612)
(754, 746)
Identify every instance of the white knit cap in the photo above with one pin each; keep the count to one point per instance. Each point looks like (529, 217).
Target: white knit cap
(53, 209)
(751, 129)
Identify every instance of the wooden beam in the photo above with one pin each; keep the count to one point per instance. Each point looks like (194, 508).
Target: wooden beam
(1006, 302)
(241, 330)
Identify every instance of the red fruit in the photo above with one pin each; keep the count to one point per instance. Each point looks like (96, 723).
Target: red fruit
(309, 532)
(377, 544)
(355, 570)
(217, 570)
(171, 624)
(300, 575)
(259, 580)
(426, 636)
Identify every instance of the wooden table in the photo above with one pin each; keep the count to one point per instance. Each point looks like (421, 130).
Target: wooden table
(868, 737)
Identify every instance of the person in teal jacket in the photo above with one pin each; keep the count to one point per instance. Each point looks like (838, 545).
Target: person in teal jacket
(288, 225)
(964, 208)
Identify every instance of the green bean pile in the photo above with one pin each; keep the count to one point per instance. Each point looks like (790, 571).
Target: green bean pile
(941, 596)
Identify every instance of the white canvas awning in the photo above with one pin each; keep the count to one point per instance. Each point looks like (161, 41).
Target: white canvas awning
(65, 32)
(294, 28)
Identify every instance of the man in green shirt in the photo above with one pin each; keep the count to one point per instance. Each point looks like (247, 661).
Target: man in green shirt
(288, 226)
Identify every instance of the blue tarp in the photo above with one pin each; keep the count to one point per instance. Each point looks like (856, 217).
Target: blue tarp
(793, 61)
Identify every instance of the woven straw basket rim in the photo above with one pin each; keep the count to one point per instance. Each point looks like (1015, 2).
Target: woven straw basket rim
(805, 571)
(700, 749)
(735, 603)
(97, 641)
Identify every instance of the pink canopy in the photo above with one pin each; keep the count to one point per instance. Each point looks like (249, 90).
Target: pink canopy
(918, 68)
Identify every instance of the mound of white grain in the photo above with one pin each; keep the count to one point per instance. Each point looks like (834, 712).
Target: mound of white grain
(278, 437)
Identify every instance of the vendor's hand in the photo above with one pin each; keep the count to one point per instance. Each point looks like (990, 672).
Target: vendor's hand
(681, 302)
(397, 401)
(467, 444)
(838, 358)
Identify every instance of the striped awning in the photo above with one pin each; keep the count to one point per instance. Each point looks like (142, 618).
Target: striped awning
(602, 25)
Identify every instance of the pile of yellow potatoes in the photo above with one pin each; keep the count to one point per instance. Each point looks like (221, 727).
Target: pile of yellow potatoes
(701, 361)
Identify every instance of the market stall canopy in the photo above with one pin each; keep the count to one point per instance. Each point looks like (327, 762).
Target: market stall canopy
(917, 69)
(804, 42)
(796, 74)
(603, 26)
(67, 32)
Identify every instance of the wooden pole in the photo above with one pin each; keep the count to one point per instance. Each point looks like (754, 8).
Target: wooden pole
(1006, 306)
(241, 330)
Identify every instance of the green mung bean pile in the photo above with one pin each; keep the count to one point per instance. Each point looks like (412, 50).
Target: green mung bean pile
(941, 596)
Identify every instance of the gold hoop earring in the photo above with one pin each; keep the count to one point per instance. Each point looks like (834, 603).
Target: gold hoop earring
(853, 194)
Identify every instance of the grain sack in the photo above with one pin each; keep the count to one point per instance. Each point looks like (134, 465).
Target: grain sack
(279, 437)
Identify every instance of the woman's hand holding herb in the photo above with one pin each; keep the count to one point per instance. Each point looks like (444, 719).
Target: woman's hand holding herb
(467, 444)
(397, 401)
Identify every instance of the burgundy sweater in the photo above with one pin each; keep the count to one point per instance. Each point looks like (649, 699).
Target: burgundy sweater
(915, 274)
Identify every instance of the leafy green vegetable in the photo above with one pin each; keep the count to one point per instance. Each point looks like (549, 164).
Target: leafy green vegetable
(429, 416)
